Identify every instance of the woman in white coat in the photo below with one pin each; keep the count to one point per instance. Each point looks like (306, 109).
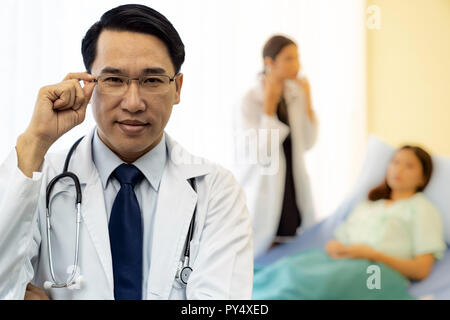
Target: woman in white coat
(276, 126)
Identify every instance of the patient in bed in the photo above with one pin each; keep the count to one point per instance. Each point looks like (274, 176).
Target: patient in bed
(386, 241)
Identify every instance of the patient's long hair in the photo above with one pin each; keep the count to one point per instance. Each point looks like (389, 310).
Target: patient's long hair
(383, 191)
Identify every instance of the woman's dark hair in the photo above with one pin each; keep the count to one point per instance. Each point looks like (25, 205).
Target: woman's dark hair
(134, 18)
(383, 191)
(274, 46)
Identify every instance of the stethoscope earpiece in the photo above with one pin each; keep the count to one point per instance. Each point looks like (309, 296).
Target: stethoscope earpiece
(48, 285)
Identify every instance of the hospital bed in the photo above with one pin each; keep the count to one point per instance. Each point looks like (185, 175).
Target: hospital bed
(378, 154)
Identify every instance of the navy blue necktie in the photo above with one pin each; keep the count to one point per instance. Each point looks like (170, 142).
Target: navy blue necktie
(125, 235)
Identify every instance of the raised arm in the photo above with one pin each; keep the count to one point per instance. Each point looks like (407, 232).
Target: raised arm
(58, 109)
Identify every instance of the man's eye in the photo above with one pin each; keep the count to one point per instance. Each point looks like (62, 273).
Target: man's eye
(115, 80)
(153, 80)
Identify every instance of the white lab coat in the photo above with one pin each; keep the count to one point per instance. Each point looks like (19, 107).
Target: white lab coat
(221, 249)
(263, 180)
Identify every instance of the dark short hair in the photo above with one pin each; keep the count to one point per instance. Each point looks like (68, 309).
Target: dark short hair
(134, 18)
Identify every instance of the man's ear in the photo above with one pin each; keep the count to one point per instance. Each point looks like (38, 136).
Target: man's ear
(178, 85)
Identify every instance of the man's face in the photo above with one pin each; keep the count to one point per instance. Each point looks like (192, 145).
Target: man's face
(133, 123)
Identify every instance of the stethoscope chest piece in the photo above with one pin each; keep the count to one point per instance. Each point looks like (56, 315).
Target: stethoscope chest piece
(185, 274)
(184, 270)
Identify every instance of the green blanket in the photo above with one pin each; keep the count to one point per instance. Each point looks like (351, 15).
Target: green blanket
(313, 274)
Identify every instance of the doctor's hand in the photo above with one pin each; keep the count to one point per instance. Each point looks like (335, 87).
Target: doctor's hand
(34, 293)
(58, 109)
(61, 107)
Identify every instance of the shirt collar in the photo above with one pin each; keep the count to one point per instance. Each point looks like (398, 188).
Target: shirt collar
(150, 164)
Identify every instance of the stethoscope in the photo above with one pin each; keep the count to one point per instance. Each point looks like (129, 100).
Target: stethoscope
(184, 269)
(65, 174)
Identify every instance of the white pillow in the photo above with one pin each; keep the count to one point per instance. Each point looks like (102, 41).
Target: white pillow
(378, 156)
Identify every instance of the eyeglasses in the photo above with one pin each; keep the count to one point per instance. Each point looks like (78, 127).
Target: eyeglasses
(118, 85)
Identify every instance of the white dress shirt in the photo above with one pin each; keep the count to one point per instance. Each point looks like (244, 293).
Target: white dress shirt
(152, 165)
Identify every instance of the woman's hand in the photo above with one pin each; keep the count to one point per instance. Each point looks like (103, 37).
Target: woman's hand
(338, 250)
(417, 268)
(304, 83)
(358, 251)
(34, 293)
(334, 248)
(273, 90)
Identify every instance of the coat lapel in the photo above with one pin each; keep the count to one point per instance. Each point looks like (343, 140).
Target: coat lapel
(174, 211)
(96, 222)
(176, 204)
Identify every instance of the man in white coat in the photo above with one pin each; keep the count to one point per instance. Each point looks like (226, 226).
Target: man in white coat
(133, 234)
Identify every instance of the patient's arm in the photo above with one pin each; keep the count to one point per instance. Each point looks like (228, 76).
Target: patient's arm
(417, 268)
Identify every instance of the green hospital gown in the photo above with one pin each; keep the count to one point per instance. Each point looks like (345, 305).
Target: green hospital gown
(405, 229)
